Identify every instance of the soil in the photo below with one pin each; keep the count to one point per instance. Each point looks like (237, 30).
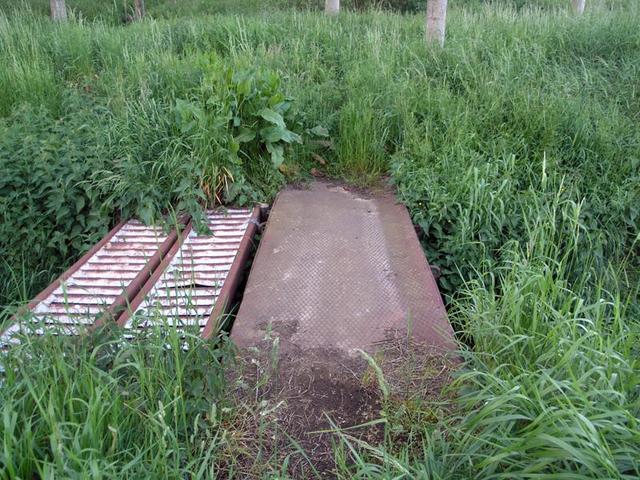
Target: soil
(312, 397)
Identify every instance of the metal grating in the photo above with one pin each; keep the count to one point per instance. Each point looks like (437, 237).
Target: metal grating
(100, 283)
(190, 284)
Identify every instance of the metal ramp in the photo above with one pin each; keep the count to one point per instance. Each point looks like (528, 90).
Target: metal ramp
(338, 275)
(340, 270)
(99, 285)
(138, 274)
(197, 279)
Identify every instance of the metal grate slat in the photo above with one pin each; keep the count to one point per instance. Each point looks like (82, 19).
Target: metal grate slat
(186, 291)
(103, 280)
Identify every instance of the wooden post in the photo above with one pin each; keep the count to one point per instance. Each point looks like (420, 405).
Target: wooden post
(332, 7)
(139, 9)
(578, 6)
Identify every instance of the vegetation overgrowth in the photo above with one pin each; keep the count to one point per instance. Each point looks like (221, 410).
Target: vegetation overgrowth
(516, 149)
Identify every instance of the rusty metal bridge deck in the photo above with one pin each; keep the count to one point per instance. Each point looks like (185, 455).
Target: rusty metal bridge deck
(341, 270)
(139, 275)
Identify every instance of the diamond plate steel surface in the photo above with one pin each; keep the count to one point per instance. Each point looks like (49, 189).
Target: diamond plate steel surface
(340, 270)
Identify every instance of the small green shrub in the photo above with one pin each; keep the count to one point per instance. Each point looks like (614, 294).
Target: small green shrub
(236, 129)
(146, 177)
(222, 143)
(49, 210)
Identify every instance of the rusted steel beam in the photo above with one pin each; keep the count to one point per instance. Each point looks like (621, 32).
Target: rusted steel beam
(121, 303)
(58, 281)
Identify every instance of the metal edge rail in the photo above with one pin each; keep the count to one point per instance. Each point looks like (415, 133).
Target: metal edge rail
(64, 276)
(120, 304)
(132, 306)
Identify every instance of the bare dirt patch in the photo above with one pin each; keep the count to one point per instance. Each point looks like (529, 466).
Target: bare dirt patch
(298, 402)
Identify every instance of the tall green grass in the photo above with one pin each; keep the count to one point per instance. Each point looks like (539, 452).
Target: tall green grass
(549, 388)
(103, 407)
(515, 93)
(115, 12)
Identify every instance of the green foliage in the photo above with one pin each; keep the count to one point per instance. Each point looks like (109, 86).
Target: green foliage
(550, 386)
(121, 11)
(149, 157)
(472, 164)
(516, 150)
(107, 408)
(558, 391)
(221, 143)
(146, 177)
(237, 128)
(412, 6)
(48, 209)
(362, 140)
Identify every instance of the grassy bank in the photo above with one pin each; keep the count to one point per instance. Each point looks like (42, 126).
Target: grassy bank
(516, 150)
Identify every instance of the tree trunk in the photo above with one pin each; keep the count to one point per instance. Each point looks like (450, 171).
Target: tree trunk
(139, 9)
(578, 6)
(58, 10)
(436, 20)
(331, 7)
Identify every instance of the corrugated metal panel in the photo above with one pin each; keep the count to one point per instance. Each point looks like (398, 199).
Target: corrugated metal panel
(101, 283)
(189, 288)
